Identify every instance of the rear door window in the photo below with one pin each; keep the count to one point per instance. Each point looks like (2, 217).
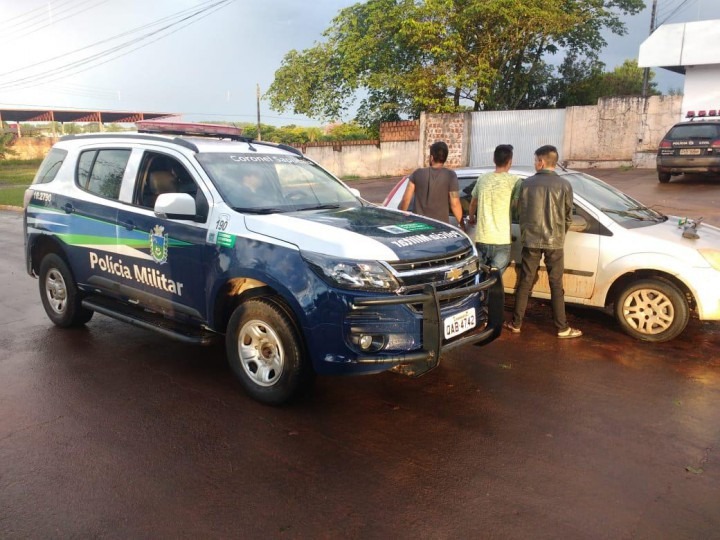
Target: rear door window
(101, 171)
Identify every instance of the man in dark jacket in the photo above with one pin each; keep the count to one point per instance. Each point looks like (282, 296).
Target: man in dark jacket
(545, 208)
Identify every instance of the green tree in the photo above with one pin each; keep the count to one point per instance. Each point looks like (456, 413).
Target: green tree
(407, 56)
(626, 80)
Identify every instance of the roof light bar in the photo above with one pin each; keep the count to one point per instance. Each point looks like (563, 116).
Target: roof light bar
(702, 113)
(690, 114)
(186, 128)
(712, 112)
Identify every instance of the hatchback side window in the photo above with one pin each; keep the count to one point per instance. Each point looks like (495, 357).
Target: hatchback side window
(50, 166)
(101, 171)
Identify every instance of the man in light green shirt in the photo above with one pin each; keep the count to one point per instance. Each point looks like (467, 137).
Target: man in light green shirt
(490, 208)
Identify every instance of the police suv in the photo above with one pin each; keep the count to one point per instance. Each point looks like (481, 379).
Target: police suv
(194, 231)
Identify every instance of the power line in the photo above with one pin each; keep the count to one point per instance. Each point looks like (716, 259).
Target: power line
(33, 27)
(76, 67)
(107, 40)
(675, 11)
(31, 12)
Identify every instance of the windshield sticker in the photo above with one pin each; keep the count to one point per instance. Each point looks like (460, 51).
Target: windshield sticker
(425, 238)
(407, 227)
(226, 240)
(159, 244)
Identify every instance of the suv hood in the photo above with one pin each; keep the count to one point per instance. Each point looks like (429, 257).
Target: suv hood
(363, 233)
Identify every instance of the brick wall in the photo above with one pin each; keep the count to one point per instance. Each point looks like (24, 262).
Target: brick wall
(407, 130)
(451, 128)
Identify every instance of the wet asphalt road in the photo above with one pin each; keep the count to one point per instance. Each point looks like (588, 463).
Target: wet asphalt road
(114, 432)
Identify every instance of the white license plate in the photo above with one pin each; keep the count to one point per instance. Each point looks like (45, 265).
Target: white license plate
(689, 151)
(459, 323)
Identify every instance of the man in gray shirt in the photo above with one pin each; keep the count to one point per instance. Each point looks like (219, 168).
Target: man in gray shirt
(435, 188)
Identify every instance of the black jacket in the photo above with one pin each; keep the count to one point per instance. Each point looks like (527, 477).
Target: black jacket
(545, 208)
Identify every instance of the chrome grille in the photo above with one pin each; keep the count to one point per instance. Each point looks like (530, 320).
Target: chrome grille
(449, 272)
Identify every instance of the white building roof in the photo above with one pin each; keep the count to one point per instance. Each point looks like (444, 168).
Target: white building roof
(674, 46)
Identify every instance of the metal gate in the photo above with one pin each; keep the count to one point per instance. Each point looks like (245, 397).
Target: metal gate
(525, 130)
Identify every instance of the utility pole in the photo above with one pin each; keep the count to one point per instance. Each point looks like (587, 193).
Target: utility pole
(259, 135)
(646, 71)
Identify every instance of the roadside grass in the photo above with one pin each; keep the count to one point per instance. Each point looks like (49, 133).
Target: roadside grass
(16, 172)
(15, 176)
(12, 196)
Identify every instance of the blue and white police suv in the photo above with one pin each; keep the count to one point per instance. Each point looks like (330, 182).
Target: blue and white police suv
(193, 231)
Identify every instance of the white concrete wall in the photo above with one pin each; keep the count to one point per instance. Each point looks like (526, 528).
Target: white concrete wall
(624, 131)
(702, 89)
(366, 160)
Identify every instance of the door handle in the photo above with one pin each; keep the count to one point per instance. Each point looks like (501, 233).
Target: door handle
(69, 208)
(129, 225)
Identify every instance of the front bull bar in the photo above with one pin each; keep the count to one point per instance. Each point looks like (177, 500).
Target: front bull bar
(420, 362)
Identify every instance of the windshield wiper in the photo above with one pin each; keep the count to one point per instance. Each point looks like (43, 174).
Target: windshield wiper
(628, 213)
(259, 210)
(319, 207)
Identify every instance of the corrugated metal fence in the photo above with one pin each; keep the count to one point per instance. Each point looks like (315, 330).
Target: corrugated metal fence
(525, 130)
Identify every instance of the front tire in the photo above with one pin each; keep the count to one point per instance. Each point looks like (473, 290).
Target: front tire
(265, 352)
(60, 296)
(652, 310)
(664, 178)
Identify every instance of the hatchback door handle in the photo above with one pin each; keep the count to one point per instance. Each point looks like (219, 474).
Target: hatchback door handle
(69, 208)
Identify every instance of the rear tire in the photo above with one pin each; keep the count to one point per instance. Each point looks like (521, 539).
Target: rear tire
(265, 352)
(664, 178)
(652, 310)
(59, 294)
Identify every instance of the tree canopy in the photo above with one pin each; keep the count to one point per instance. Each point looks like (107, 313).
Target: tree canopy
(407, 56)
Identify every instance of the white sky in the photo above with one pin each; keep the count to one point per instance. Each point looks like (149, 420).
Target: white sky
(207, 70)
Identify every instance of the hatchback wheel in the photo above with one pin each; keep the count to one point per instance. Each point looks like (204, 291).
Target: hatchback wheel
(664, 178)
(652, 310)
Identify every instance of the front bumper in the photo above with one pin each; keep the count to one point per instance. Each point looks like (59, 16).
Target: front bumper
(415, 363)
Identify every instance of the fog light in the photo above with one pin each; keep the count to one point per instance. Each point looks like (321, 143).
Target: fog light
(365, 342)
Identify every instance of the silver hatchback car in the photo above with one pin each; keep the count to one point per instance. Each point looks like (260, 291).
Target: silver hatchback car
(654, 270)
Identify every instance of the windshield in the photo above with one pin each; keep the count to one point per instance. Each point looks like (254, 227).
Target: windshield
(614, 203)
(269, 183)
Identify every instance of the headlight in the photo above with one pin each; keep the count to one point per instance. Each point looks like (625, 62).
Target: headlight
(712, 256)
(357, 275)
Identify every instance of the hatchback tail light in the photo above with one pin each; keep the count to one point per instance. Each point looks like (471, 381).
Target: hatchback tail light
(665, 144)
(715, 144)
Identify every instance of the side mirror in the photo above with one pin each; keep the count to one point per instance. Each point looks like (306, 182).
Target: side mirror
(355, 192)
(579, 223)
(175, 206)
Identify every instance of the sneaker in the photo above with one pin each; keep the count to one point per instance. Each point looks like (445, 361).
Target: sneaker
(568, 333)
(510, 326)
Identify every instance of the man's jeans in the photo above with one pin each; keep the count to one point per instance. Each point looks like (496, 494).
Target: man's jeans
(555, 264)
(494, 255)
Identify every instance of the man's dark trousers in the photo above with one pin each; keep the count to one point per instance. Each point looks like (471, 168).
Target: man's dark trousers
(555, 264)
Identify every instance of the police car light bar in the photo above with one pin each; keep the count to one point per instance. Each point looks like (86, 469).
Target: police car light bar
(186, 128)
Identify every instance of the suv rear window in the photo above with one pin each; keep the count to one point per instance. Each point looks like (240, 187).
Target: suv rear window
(694, 131)
(50, 166)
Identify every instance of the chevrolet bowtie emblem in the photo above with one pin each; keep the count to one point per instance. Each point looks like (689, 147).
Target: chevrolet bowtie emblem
(455, 273)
